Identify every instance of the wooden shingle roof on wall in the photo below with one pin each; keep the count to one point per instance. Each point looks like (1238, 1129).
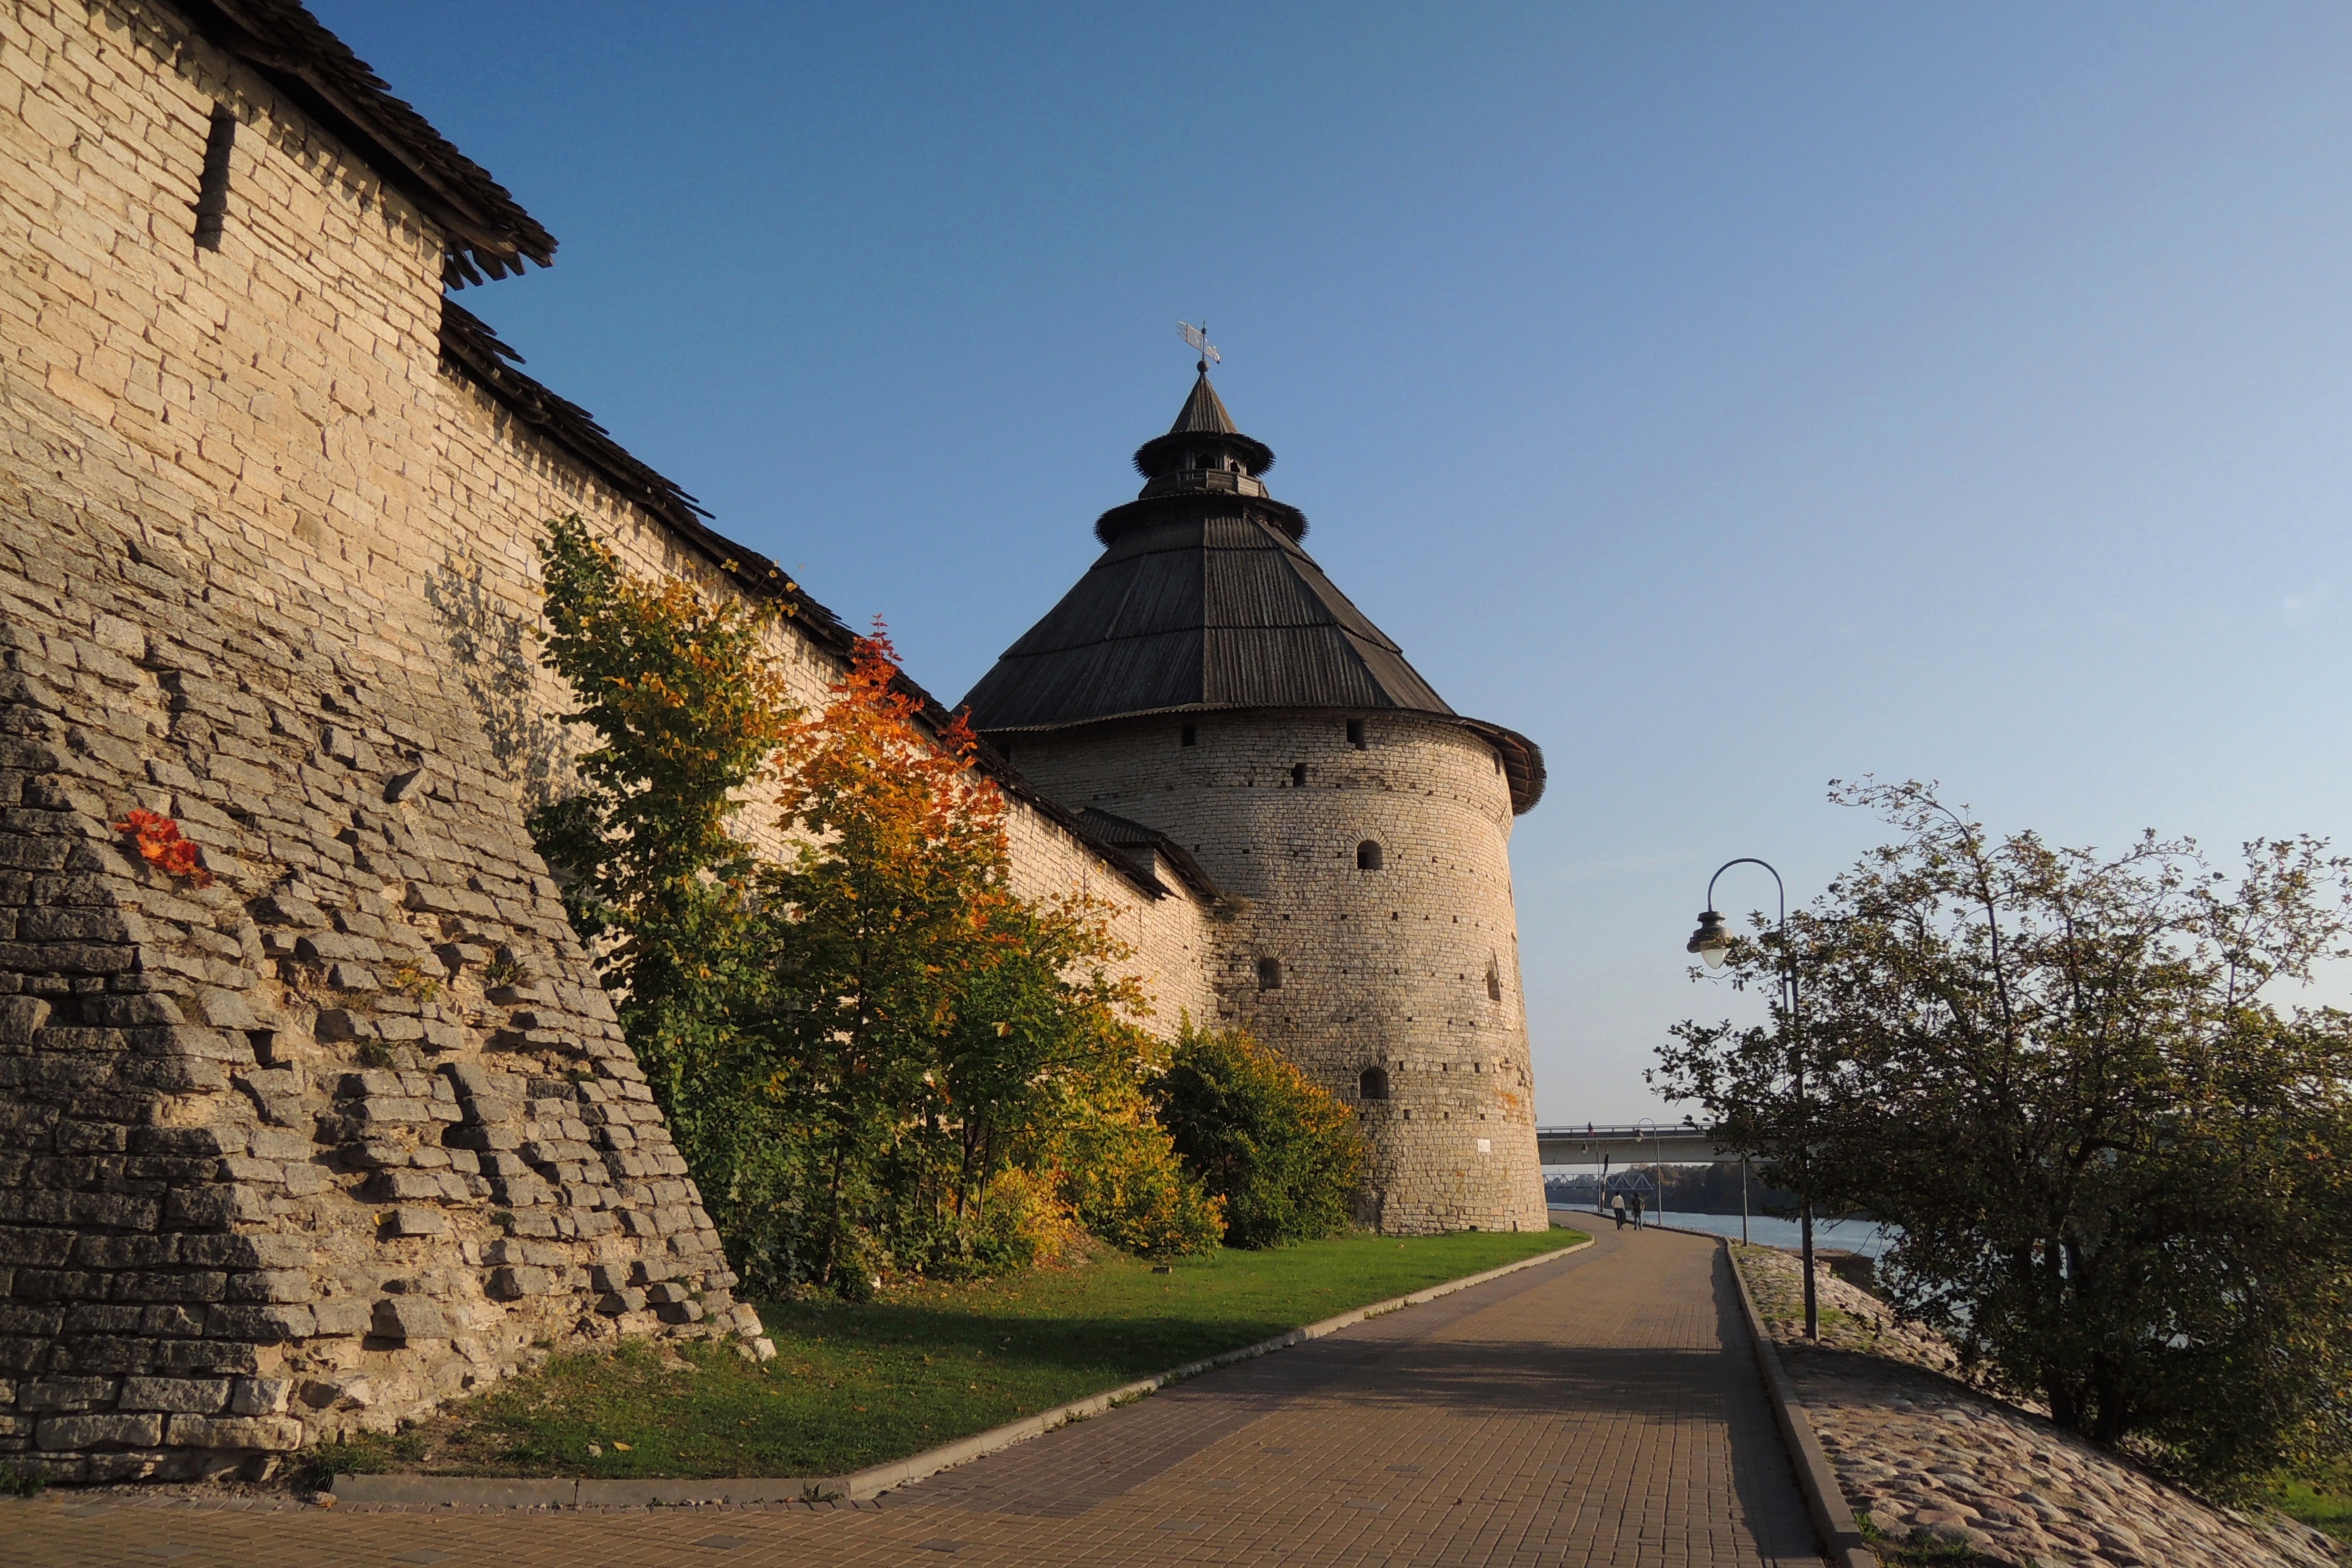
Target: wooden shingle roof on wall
(486, 230)
(468, 349)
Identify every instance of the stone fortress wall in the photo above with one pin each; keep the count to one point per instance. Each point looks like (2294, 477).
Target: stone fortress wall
(351, 1130)
(1411, 968)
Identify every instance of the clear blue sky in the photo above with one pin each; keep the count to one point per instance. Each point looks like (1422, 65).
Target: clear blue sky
(1731, 398)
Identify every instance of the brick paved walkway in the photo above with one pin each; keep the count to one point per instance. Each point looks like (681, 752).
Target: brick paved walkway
(1600, 1410)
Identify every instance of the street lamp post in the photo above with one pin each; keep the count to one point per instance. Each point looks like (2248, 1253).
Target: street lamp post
(1712, 942)
(1658, 1169)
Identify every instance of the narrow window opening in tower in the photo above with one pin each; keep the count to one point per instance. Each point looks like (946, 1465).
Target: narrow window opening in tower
(1269, 975)
(1298, 776)
(1191, 735)
(1372, 1083)
(1368, 856)
(1356, 734)
(1493, 982)
(212, 186)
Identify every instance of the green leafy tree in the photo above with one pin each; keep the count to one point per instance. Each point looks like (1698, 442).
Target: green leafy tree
(687, 708)
(2123, 1178)
(1284, 1155)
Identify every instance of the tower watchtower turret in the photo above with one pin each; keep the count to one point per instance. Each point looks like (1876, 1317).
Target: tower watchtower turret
(1207, 680)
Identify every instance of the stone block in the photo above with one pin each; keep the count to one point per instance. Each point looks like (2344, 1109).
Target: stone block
(225, 1010)
(666, 1293)
(260, 1396)
(613, 1303)
(279, 1285)
(270, 1434)
(174, 1395)
(411, 1319)
(65, 1393)
(118, 1431)
(514, 1282)
(286, 909)
(237, 1252)
(681, 1313)
(20, 1019)
(341, 1319)
(336, 1025)
(262, 1325)
(415, 1220)
(402, 1188)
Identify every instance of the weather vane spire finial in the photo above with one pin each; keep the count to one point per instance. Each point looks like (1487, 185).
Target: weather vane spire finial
(1199, 338)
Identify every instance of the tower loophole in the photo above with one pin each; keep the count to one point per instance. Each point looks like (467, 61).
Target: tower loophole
(1269, 975)
(1372, 1083)
(1368, 856)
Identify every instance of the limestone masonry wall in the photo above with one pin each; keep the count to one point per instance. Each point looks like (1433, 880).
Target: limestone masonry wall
(352, 1128)
(1411, 968)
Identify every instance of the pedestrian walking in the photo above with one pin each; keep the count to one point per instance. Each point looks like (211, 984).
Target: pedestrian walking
(1637, 1211)
(1617, 1207)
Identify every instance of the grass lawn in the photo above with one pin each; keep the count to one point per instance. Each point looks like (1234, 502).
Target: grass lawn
(854, 1385)
(2324, 1505)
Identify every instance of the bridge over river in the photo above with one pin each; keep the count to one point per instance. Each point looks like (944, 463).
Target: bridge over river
(1622, 1144)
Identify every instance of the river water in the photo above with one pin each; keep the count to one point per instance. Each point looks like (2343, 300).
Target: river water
(1844, 1234)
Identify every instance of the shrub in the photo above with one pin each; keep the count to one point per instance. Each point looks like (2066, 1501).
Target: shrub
(1026, 1222)
(1128, 1186)
(1284, 1155)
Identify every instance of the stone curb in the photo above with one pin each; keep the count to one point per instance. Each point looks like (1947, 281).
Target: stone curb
(1824, 1498)
(492, 1491)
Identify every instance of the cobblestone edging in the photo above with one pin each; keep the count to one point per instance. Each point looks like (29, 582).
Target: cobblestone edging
(1925, 1457)
(863, 1485)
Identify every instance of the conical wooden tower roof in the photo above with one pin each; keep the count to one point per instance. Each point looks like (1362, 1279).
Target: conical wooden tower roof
(1204, 601)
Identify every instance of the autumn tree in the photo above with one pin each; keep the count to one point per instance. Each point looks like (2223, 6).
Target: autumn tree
(856, 1044)
(2120, 1174)
(930, 1026)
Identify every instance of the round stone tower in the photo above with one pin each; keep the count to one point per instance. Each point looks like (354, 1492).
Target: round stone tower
(1206, 681)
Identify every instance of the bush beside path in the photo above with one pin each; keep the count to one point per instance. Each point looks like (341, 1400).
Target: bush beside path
(1942, 1471)
(857, 1384)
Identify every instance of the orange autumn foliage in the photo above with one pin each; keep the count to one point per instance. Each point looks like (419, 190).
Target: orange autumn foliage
(160, 846)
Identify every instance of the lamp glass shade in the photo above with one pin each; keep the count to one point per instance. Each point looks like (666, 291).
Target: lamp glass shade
(1711, 941)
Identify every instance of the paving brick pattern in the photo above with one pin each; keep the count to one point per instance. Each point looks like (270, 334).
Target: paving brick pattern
(1600, 1410)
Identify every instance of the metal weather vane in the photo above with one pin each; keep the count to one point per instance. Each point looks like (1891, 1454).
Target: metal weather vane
(1199, 338)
